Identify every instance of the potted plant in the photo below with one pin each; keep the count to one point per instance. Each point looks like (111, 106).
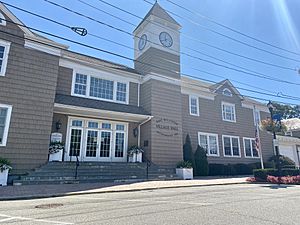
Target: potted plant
(4, 168)
(184, 170)
(135, 154)
(55, 151)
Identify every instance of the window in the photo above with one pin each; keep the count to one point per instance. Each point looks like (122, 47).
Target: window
(231, 146)
(101, 88)
(194, 106)
(4, 50)
(227, 92)
(80, 84)
(250, 148)
(120, 127)
(228, 112)
(106, 126)
(256, 115)
(121, 92)
(5, 114)
(210, 143)
(93, 125)
(2, 20)
(77, 123)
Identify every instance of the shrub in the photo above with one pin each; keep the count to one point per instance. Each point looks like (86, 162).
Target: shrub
(216, 169)
(201, 164)
(188, 151)
(284, 180)
(232, 169)
(4, 164)
(184, 164)
(262, 174)
(285, 161)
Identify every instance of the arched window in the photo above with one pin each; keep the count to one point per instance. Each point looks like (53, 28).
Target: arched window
(227, 92)
(2, 20)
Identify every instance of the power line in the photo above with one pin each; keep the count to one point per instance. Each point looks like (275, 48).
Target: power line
(191, 38)
(118, 55)
(231, 29)
(204, 60)
(226, 36)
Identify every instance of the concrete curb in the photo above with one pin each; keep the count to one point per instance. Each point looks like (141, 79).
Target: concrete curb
(28, 197)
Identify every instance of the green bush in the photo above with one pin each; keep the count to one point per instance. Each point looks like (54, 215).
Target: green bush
(262, 174)
(285, 161)
(4, 164)
(201, 164)
(188, 151)
(232, 169)
(216, 169)
(184, 164)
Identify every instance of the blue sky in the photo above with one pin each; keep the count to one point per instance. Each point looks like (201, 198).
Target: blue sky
(274, 21)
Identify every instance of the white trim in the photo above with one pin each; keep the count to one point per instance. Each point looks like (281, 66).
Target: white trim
(154, 76)
(42, 47)
(6, 46)
(186, 91)
(208, 143)
(254, 116)
(261, 108)
(3, 20)
(7, 123)
(227, 89)
(231, 150)
(250, 157)
(103, 75)
(234, 112)
(190, 105)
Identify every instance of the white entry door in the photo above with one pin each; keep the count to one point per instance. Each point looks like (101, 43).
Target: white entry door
(91, 145)
(105, 153)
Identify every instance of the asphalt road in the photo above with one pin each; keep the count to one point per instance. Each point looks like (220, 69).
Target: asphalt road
(228, 205)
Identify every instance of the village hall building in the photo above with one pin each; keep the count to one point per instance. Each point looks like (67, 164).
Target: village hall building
(103, 108)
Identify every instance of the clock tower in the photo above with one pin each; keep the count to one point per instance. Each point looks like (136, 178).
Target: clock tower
(157, 58)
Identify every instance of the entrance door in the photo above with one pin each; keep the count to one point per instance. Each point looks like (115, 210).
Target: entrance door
(105, 146)
(75, 143)
(119, 154)
(91, 145)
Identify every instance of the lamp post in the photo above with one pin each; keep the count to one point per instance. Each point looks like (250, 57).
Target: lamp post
(271, 109)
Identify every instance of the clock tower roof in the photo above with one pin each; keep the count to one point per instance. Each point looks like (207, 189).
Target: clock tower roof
(159, 12)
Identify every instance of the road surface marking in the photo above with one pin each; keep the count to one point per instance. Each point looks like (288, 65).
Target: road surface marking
(33, 219)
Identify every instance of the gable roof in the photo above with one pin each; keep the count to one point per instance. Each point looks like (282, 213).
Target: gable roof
(215, 87)
(159, 12)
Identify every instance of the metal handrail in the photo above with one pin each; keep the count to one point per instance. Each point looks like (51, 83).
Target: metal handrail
(76, 168)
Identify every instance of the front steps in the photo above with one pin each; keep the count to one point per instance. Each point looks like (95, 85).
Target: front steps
(91, 172)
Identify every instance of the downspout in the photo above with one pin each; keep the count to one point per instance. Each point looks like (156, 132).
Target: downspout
(139, 129)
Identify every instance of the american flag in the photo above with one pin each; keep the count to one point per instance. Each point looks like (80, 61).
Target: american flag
(257, 141)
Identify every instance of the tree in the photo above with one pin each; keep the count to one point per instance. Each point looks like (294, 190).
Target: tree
(188, 151)
(201, 162)
(287, 111)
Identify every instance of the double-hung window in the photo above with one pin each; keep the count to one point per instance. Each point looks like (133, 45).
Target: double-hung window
(4, 50)
(228, 112)
(194, 105)
(250, 148)
(231, 146)
(256, 115)
(99, 88)
(209, 142)
(5, 114)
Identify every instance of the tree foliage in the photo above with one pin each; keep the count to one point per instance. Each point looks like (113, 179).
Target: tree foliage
(201, 163)
(188, 151)
(287, 111)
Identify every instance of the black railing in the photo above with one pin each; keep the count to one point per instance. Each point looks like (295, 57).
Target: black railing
(148, 164)
(76, 168)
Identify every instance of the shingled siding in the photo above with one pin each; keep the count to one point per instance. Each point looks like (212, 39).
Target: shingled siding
(210, 121)
(158, 61)
(64, 85)
(164, 101)
(29, 86)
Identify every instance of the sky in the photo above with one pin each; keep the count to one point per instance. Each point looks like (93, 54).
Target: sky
(276, 22)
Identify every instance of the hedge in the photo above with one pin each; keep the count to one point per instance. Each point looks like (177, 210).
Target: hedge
(232, 169)
(262, 174)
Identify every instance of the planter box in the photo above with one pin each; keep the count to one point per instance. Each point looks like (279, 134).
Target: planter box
(185, 173)
(56, 156)
(135, 157)
(3, 177)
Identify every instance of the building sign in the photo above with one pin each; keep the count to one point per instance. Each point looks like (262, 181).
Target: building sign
(56, 137)
(166, 127)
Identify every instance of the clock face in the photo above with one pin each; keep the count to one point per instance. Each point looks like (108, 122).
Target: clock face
(142, 42)
(165, 39)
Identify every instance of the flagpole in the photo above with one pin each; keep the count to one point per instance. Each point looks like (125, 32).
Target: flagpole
(258, 136)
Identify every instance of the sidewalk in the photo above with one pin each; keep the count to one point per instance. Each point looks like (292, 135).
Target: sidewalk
(44, 191)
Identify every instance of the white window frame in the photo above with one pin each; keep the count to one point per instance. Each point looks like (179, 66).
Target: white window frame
(3, 20)
(100, 75)
(190, 105)
(234, 112)
(226, 89)
(251, 139)
(7, 123)
(6, 46)
(208, 143)
(254, 116)
(231, 150)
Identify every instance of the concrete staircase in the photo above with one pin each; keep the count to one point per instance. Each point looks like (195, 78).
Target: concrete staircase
(91, 172)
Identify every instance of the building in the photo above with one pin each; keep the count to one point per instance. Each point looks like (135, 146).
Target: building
(102, 108)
